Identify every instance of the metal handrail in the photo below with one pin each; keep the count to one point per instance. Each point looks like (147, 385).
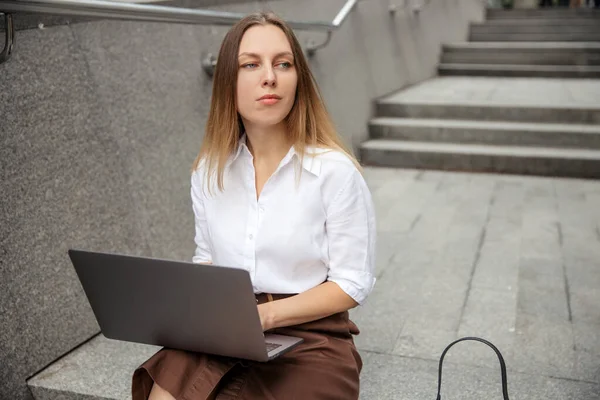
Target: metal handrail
(155, 13)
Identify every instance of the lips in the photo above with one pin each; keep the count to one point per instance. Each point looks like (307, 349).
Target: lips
(270, 97)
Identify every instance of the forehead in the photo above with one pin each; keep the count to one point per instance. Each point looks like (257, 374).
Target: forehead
(264, 40)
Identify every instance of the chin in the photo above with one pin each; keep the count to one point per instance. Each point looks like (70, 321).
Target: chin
(267, 122)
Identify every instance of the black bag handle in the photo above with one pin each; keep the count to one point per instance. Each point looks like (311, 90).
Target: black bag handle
(502, 365)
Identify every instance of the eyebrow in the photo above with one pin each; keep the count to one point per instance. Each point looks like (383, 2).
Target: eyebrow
(282, 53)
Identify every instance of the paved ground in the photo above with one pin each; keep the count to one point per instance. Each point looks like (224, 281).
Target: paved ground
(512, 259)
(506, 91)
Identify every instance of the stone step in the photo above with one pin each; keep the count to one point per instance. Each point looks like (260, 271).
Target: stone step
(556, 22)
(548, 13)
(535, 37)
(547, 100)
(100, 369)
(511, 70)
(482, 158)
(582, 26)
(486, 132)
(488, 112)
(517, 53)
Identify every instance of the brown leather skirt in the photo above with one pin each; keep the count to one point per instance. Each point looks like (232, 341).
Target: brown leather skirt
(326, 366)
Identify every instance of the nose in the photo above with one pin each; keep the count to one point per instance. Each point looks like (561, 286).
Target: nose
(269, 80)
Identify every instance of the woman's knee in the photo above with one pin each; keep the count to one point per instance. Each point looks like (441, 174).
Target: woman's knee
(158, 393)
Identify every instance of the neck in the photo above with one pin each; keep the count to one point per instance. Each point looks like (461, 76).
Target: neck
(267, 144)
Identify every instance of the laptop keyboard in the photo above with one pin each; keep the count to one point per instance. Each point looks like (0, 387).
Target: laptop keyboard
(272, 346)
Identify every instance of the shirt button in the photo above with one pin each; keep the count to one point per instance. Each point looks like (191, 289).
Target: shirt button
(261, 209)
(251, 236)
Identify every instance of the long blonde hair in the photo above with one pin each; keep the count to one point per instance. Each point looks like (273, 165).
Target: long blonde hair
(308, 122)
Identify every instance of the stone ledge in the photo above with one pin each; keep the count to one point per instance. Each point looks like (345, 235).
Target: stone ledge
(100, 369)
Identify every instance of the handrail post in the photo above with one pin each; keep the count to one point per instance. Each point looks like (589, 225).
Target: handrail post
(209, 62)
(10, 38)
(312, 48)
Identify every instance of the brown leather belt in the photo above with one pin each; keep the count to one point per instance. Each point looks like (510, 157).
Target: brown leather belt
(266, 297)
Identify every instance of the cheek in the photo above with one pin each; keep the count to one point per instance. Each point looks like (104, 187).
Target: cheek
(292, 83)
(242, 86)
(291, 87)
(243, 95)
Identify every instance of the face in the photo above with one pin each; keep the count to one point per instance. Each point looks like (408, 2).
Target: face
(266, 81)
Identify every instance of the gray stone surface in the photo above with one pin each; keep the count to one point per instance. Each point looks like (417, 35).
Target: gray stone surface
(498, 257)
(522, 53)
(438, 106)
(581, 251)
(535, 37)
(518, 70)
(97, 368)
(395, 377)
(518, 302)
(549, 302)
(63, 185)
(547, 355)
(155, 121)
(537, 26)
(556, 14)
(544, 344)
(542, 273)
(580, 163)
(420, 340)
(561, 93)
(383, 316)
(486, 132)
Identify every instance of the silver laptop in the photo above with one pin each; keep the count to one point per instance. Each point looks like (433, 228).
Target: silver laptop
(180, 305)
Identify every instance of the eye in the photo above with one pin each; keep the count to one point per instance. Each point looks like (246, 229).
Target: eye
(249, 65)
(285, 64)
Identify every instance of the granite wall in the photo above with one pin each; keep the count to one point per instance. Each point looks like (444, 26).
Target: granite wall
(100, 122)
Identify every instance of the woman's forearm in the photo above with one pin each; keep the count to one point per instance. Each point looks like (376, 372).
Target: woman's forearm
(316, 303)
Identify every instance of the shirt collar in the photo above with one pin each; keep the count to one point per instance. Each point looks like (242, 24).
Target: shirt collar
(310, 162)
(240, 148)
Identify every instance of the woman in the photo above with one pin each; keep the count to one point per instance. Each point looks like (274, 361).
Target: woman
(275, 193)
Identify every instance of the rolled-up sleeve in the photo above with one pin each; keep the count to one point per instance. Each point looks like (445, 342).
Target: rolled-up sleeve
(201, 238)
(351, 233)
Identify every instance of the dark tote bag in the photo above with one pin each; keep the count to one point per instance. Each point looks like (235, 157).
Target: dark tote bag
(502, 365)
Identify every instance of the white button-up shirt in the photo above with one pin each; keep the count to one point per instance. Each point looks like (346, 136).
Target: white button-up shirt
(299, 233)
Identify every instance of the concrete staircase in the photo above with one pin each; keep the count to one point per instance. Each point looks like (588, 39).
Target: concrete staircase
(503, 102)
